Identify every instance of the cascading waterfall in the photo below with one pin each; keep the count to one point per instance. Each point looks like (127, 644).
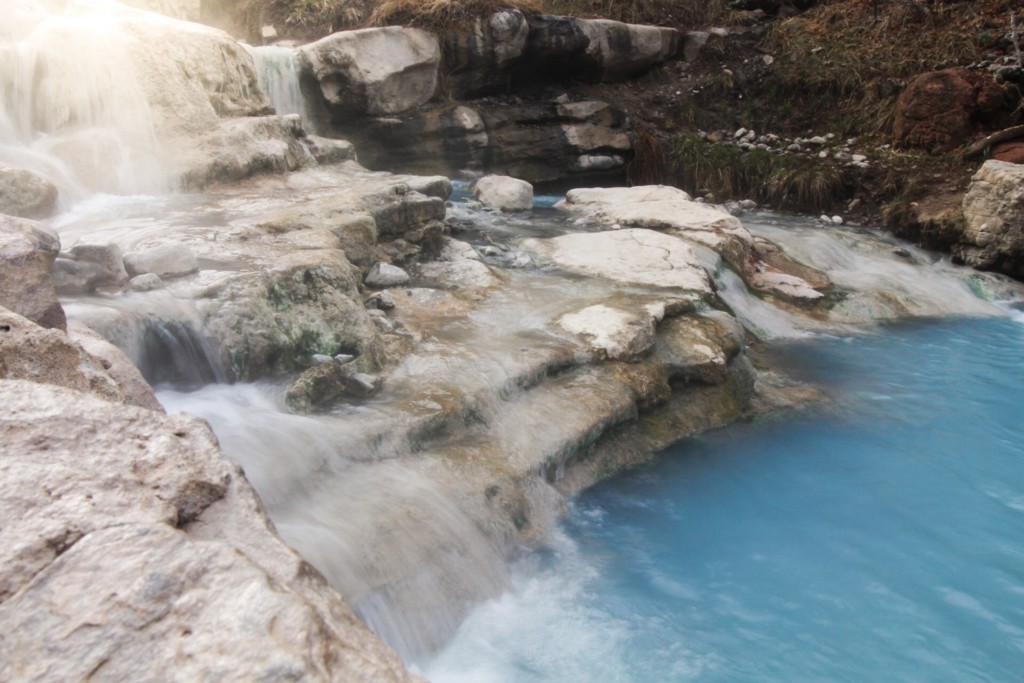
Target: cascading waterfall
(279, 73)
(72, 108)
(357, 491)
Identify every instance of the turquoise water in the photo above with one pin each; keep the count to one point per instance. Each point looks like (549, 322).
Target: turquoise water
(878, 537)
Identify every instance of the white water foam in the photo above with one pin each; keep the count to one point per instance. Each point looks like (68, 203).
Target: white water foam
(278, 69)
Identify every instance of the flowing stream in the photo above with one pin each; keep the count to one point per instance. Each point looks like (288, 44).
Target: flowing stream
(876, 533)
(876, 537)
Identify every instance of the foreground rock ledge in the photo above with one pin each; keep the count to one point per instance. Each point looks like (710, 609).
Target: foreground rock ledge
(132, 550)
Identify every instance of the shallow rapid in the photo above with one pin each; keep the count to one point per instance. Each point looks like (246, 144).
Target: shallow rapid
(875, 537)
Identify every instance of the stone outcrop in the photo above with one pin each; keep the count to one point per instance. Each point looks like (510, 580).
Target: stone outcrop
(132, 548)
(281, 281)
(993, 238)
(503, 192)
(668, 209)
(939, 110)
(375, 71)
(539, 142)
(509, 48)
(27, 250)
(25, 194)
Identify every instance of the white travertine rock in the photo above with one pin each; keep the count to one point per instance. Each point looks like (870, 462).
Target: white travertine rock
(132, 549)
(166, 260)
(633, 255)
(993, 238)
(376, 71)
(612, 332)
(665, 208)
(503, 192)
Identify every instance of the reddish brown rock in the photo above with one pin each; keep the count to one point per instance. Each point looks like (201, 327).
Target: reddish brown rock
(939, 110)
(1012, 151)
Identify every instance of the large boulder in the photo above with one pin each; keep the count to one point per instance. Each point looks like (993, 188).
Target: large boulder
(993, 238)
(307, 303)
(939, 110)
(132, 549)
(26, 194)
(241, 147)
(510, 48)
(620, 51)
(375, 71)
(503, 192)
(27, 250)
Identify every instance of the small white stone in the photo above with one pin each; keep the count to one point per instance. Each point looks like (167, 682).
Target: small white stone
(386, 275)
(837, 220)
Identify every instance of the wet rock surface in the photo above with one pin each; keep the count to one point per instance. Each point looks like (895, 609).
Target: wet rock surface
(27, 250)
(25, 194)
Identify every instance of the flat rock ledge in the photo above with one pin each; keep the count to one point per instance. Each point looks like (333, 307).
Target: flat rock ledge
(631, 256)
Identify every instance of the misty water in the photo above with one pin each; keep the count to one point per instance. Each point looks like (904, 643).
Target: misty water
(874, 537)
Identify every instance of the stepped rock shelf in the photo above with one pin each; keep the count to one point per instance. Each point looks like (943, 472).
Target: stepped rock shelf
(412, 383)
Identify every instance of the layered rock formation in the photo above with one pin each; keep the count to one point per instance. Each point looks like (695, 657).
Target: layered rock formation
(386, 108)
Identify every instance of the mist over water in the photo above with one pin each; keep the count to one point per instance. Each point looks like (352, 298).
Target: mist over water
(877, 537)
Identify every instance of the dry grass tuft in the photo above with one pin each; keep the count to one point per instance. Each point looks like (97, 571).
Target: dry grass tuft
(441, 15)
(783, 181)
(658, 12)
(312, 18)
(649, 165)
